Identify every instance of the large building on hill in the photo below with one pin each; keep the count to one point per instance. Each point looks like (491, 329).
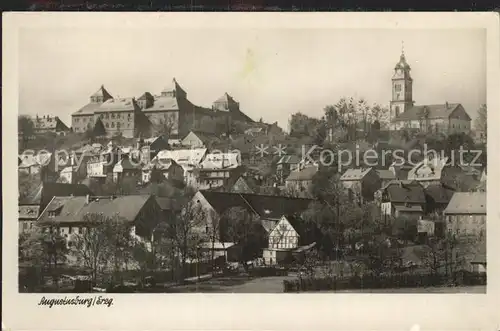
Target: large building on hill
(171, 113)
(445, 118)
(116, 116)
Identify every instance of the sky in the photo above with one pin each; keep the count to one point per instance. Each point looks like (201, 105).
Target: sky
(272, 73)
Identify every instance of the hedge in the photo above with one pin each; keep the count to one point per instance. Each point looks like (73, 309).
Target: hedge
(379, 282)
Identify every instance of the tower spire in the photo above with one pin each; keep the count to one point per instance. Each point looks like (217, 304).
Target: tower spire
(402, 47)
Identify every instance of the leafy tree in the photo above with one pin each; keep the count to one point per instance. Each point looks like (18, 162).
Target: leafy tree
(26, 129)
(302, 125)
(27, 183)
(243, 228)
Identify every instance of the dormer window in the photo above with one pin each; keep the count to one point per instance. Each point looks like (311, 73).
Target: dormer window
(397, 87)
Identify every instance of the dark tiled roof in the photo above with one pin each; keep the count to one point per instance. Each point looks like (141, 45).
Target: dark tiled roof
(405, 191)
(266, 206)
(439, 193)
(46, 191)
(434, 112)
(467, 203)
(165, 203)
(74, 209)
(145, 96)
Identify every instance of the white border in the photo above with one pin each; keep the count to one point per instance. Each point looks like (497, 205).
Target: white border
(250, 311)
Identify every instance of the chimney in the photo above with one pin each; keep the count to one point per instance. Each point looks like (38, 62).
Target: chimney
(447, 106)
(87, 199)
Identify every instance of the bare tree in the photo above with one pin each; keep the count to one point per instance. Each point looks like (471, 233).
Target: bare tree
(188, 230)
(165, 126)
(104, 243)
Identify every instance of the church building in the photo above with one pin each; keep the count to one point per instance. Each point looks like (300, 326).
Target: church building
(444, 118)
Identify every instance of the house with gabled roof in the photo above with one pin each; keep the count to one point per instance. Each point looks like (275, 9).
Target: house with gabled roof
(466, 214)
(47, 123)
(67, 215)
(31, 206)
(285, 165)
(361, 183)
(199, 139)
(271, 211)
(402, 199)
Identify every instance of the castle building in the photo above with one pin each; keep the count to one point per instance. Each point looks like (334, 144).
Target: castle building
(444, 118)
(170, 114)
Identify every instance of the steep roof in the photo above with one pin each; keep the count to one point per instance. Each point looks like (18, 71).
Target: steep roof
(265, 206)
(433, 112)
(46, 191)
(467, 203)
(439, 193)
(145, 96)
(304, 174)
(117, 105)
(102, 92)
(405, 191)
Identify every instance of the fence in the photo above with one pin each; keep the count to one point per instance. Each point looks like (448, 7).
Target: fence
(381, 282)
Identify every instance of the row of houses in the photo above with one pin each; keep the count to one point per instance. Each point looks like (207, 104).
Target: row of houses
(364, 182)
(282, 231)
(190, 163)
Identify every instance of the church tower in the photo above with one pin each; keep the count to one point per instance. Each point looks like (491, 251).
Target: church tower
(402, 88)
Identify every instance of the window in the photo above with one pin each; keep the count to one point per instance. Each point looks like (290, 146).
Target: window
(112, 124)
(70, 229)
(397, 87)
(79, 230)
(129, 115)
(25, 226)
(397, 111)
(112, 115)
